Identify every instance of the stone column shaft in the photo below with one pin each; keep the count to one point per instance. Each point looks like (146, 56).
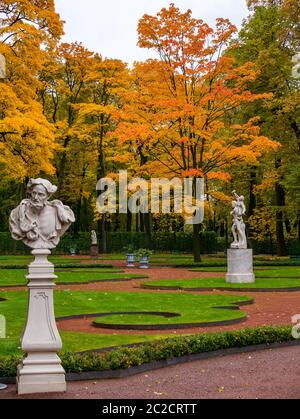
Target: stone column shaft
(41, 370)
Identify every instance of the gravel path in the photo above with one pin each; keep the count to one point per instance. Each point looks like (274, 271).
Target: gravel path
(268, 374)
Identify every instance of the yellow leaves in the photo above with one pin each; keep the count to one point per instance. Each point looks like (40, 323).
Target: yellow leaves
(263, 223)
(223, 176)
(26, 138)
(93, 110)
(268, 182)
(261, 145)
(220, 196)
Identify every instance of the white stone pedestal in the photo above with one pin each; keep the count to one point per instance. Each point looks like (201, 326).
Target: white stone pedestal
(240, 266)
(41, 370)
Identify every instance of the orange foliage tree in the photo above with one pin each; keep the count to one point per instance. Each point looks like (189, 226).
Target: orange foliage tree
(184, 105)
(28, 30)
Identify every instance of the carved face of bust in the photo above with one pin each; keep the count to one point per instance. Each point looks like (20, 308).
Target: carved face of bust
(39, 197)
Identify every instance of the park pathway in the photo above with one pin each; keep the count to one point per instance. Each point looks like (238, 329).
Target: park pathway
(268, 374)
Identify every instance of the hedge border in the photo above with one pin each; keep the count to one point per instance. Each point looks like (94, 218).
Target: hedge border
(90, 316)
(125, 362)
(177, 326)
(171, 362)
(171, 288)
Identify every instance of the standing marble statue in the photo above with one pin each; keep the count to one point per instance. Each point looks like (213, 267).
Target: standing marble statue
(40, 224)
(94, 238)
(239, 257)
(238, 227)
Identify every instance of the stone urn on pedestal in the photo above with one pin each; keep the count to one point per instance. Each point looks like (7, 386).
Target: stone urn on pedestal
(40, 224)
(239, 257)
(143, 256)
(130, 256)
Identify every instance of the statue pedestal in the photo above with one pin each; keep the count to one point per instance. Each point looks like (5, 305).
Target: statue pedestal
(94, 251)
(240, 266)
(41, 370)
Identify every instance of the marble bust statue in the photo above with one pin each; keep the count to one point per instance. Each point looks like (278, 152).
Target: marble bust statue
(37, 222)
(238, 227)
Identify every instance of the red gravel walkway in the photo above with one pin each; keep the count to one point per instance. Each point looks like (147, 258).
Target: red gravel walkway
(268, 374)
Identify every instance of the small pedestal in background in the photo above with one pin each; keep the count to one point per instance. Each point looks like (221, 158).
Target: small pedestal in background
(94, 251)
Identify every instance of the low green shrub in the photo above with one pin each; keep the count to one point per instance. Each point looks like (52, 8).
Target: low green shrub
(124, 357)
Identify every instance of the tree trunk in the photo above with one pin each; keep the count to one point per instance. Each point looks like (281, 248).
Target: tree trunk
(62, 167)
(196, 243)
(142, 227)
(271, 244)
(104, 234)
(280, 202)
(86, 224)
(222, 229)
(147, 225)
(252, 197)
(129, 221)
(77, 223)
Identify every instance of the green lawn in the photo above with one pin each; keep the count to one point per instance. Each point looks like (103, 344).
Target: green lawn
(192, 308)
(219, 283)
(17, 276)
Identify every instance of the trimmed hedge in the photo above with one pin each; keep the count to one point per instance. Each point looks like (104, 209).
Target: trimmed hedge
(123, 358)
(161, 241)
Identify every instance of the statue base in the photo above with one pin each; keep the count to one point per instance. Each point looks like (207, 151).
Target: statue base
(240, 266)
(94, 251)
(41, 370)
(41, 373)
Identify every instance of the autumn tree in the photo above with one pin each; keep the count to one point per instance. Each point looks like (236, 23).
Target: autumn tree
(28, 30)
(99, 115)
(189, 126)
(269, 39)
(64, 86)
